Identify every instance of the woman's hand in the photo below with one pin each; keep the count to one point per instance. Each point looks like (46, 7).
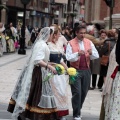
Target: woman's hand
(52, 69)
(64, 65)
(46, 65)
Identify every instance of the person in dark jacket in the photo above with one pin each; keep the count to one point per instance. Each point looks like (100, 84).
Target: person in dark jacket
(105, 50)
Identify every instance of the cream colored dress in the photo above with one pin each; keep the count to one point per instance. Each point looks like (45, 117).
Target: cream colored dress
(114, 106)
(108, 85)
(59, 85)
(11, 47)
(2, 44)
(27, 37)
(1, 47)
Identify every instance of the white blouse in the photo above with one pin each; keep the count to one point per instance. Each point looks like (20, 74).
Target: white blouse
(54, 49)
(43, 52)
(70, 56)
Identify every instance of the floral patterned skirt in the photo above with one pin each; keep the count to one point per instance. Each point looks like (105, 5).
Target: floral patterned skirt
(113, 112)
(33, 112)
(1, 49)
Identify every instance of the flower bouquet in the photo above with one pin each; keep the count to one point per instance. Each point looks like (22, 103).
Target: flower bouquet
(72, 75)
(60, 69)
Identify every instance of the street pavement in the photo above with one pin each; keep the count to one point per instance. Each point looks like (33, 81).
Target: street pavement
(10, 68)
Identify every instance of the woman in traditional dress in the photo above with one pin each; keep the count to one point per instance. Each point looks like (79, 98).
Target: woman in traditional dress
(113, 113)
(9, 40)
(59, 82)
(2, 39)
(1, 46)
(27, 36)
(108, 88)
(33, 97)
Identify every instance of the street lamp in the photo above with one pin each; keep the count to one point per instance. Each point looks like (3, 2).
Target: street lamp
(73, 2)
(22, 38)
(110, 4)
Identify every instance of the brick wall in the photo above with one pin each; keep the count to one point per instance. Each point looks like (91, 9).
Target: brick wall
(117, 7)
(103, 10)
(11, 2)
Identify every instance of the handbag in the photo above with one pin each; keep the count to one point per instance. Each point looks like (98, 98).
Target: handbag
(105, 58)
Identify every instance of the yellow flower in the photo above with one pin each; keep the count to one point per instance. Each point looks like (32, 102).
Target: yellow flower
(60, 69)
(59, 65)
(71, 71)
(0, 36)
(63, 71)
(7, 37)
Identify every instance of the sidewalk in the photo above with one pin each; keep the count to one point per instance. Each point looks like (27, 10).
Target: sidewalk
(91, 106)
(10, 68)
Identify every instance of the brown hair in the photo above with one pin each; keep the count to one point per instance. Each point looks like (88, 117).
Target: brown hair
(110, 33)
(79, 27)
(103, 31)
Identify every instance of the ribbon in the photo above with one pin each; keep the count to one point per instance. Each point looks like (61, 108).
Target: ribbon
(114, 72)
(59, 70)
(72, 78)
(49, 75)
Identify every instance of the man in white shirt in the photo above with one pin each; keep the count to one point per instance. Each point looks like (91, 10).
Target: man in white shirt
(79, 52)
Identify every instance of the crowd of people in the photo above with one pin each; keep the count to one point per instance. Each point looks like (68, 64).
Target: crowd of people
(83, 48)
(10, 37)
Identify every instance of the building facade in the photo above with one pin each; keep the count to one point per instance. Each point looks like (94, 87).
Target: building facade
(39, 13)
(96, 11)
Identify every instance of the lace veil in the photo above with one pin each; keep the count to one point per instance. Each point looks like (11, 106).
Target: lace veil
(22, 88)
